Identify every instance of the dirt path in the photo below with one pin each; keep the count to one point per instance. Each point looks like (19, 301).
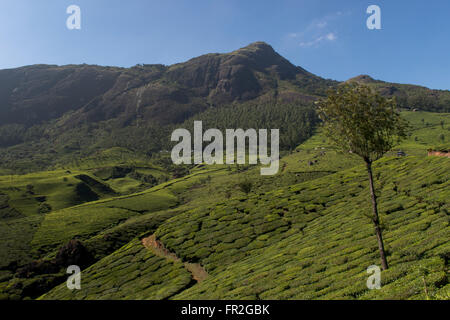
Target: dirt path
(157, 247)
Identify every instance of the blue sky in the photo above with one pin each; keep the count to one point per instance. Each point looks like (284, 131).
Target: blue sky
(326, 37)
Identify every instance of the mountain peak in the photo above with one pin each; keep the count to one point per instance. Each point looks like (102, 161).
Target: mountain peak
(259, 45)
(260, 56)
(256, 48)
(363, 78)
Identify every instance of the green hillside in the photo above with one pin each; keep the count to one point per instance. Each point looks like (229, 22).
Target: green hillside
(54, 116)
(302, 234)
(312, 240)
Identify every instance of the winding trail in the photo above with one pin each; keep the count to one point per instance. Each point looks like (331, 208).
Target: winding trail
(157, 247)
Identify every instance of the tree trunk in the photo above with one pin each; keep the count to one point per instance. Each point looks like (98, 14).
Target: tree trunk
(375, 218)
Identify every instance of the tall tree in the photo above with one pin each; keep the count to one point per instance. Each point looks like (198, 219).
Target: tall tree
(360, 121)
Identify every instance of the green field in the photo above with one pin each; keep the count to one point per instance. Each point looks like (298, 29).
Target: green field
(302, 234)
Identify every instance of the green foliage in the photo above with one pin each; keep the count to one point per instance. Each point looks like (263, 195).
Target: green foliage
(310, 240)
(132, 272)
(86, 221)
(57, 189)
(360, 121)
(245, 186)
(15, 238)
(296, 121)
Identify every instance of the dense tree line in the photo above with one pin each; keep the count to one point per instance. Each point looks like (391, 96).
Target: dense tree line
(45, 145)
(295, 121)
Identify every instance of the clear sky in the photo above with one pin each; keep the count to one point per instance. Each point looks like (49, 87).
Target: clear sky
(326, 37)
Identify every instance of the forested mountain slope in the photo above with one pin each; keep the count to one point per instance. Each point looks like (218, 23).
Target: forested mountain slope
(50, 115)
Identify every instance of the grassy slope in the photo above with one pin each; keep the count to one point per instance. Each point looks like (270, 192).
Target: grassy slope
(87, 220)
(427, 133)
(302, 236)
(132, 272)
(305, 232)
(57, 188)
(312, 240)
(26, 194)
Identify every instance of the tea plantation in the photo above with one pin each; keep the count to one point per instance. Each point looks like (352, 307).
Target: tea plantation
(305, 233)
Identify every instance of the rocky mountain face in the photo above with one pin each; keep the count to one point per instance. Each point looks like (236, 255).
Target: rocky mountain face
(33, 94)
(84, 93)
(165, 94)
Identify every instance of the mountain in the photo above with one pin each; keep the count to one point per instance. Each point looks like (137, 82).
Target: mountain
(168, 94)
(52, 114)
(409, 96)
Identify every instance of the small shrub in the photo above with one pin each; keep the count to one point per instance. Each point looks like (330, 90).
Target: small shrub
(245, 186)
(44, 208)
